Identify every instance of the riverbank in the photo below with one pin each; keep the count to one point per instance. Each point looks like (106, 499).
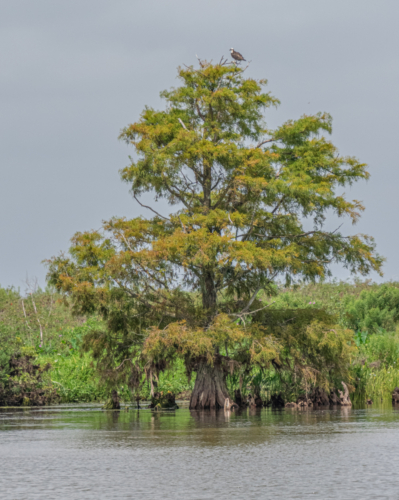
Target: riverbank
(43, 327)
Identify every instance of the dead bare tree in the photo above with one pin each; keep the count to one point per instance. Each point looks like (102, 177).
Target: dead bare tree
(32, 287)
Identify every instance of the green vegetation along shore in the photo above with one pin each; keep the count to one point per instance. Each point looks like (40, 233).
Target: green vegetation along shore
(42, 326)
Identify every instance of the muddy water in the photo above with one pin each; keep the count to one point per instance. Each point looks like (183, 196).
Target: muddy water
(85, 453)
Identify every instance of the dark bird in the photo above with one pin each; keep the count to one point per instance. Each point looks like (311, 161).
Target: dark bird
(236, 55)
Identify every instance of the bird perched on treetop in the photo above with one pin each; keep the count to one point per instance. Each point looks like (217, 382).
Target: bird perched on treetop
(236, 55)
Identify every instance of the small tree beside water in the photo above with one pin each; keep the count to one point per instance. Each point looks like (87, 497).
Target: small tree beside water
(250, 205)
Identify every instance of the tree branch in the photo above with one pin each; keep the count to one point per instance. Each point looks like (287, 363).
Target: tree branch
(278, 205)
(149, 208)
(239, 315)
(264, 142)
(182, 124)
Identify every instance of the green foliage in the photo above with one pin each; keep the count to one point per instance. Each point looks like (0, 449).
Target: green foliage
(74, 378)
(24, 316)
(374, 309)
(314, 347)
(265, 383)
(381, 348)
(361, 337)
(374, 369)
(327, 295)
(376, 365)
(20, 320)
(22, 383)
(73, 375)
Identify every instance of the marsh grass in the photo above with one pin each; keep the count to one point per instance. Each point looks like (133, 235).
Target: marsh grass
(377, 384)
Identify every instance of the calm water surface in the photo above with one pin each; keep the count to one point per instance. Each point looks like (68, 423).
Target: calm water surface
(85, 453)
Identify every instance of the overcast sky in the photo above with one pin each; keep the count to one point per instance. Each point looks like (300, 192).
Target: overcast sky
(72, 74)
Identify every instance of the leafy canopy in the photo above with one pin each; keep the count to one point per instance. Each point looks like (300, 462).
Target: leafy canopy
(250, 207)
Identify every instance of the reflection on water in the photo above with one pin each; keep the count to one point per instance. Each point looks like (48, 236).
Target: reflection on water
(81, 452)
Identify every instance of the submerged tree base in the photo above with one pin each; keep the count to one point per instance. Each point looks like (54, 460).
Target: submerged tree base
(210, 391)
(113, 402)
(162, 401)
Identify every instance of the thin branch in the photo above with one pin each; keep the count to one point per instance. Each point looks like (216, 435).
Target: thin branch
(199, 111)
(252, 299)
(182, 225)
(157, 280)
(327, 235)
(246, 67)
(199, 60)
(252, 312)
(33, 289)
(339, 227)
(224, 193)
(149, 208)
(177, 194)
(251, 227)
(182, 124)
(196, 70)
(264, 142)
(26, 318)
(128, 359)
(278, 205)
(133, 294)
(217, 182)
(290, 235)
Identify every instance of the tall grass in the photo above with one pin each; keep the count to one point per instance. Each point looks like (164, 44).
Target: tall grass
(376, 369)
(377, 384)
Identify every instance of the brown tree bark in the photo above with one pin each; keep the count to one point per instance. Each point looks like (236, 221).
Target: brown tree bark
(209, 298)
(238, 399)
(210, 391)
(334, 399)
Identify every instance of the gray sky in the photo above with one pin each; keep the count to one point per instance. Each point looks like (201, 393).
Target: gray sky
(74, 73)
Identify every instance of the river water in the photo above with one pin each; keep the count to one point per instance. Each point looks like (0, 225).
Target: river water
(81, 452)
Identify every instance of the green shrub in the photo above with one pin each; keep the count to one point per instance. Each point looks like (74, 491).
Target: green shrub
(374, 309)
(74, 377)
(39, 314)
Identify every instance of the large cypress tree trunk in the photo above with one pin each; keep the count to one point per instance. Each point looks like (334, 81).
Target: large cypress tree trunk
(210, 391)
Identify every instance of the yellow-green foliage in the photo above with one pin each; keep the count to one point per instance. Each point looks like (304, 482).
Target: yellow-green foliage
(313, 345)
(185, 283)
(179, 340)
(305, 342)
